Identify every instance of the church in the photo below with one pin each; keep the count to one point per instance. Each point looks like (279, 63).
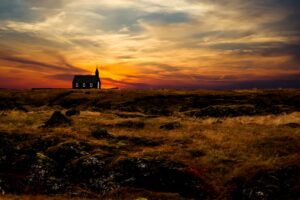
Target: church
(87, 81)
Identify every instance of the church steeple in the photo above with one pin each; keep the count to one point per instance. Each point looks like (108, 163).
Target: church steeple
(97, 72)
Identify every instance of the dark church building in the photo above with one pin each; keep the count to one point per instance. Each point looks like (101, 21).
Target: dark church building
(87, 81)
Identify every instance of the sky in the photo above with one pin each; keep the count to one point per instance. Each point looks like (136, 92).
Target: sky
(151, 44)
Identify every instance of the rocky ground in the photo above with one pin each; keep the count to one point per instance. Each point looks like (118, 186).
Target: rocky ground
(114, 144)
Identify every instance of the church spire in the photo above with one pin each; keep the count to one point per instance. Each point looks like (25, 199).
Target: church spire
(97, 72)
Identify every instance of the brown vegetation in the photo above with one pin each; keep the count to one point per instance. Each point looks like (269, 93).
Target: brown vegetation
(160, 144)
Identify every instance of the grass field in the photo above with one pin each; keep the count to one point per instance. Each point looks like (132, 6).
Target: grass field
(150, 144)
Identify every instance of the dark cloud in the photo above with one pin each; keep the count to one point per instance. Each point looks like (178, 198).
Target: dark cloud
(168, 18)
(117, 18)
(160, 67)
(215, 77)
(262, 84)
(265, 49)
(62, 77)
(222, 34)
(288, 27)
(292, 50)
(15, 40)
(37, 65)
(15, 10)
(122, 83)
(259, 5)
(23, 10)
(53, 4)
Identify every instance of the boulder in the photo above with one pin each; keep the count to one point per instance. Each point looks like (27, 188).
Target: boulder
(2, 187)
(63, 153)
(91, 172)
(291, 125)
(131, 124)
(43, 143)
(139, 141)
(41, 176)
(160, 175)
(197, 153)
(90, 166)
(101, 133)
(278, 184)
(159, 112)
(224, 111)
(57, 119)
(170, 126)
(72, 112)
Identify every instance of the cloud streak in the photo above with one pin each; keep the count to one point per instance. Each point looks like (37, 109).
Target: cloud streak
(152, 44)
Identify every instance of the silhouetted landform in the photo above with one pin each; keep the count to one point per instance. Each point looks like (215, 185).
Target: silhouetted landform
(154, 103)
(155, 144)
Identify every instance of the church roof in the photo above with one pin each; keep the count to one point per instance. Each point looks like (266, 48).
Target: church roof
(86, 79)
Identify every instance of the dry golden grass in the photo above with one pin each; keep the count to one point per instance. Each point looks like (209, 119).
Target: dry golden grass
(229, 147)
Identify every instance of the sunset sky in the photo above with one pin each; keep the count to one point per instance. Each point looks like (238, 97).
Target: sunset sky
(184, 44)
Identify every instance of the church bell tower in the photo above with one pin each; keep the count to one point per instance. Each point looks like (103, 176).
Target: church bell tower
(97, 72)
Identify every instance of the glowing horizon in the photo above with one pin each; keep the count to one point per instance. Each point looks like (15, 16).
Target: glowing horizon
(150, 43)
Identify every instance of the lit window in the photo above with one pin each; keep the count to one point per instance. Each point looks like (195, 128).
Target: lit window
(91, 85)
(76, 84)
(83, 84)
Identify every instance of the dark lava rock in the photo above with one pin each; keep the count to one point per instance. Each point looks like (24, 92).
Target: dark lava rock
(159, 112)
(57, 119)
(72, 112)
(7, 151)
(128, 115)
(170, 126)
(224, 111)
(161, 176)
(271, 185)
(90, 166)
(139, 141)
(43, 143)
(65, 152)
(101, 133)
(197, 153)
(9, 185)
(129, 108)
(91, 172)
(12, 148)
(2, 187)
(8, 103)
(102, 106)
(131, 124)
(41, 177)
(292, 125)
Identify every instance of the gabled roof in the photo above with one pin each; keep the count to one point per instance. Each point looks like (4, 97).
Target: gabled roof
(85, 79)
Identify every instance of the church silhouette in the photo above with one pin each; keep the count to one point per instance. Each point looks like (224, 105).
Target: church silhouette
(87, 81)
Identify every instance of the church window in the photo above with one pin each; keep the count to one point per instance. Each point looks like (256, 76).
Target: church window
(83, 84)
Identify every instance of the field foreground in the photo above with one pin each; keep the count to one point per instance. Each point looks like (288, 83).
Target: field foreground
(155, 144)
